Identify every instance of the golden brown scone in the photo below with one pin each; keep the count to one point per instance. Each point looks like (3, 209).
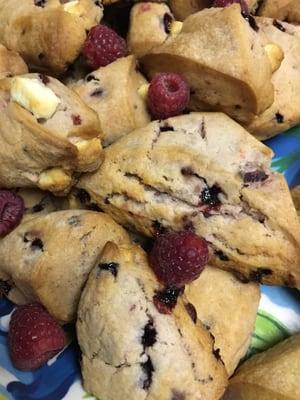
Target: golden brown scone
(11, 63)
(271, 375)
(218, 52)
(112, 91)
(48, 34)
(227, 307)
(284, 10)
(284, 113)
(48, 258)
(183, 8)
(296, 197)
(204, 172)
(149, 27)
(46, 133)
(147, 354)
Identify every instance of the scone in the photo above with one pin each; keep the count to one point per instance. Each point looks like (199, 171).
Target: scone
(284, 113)
(204, 172)
(284, 10)
(147, 354)
(48, 258)
(218, 51)
(46, 133)
(112, 91)
(271, 375)
(11, 63)
(149, 26)
(227, 307)
(296, 197)
(183, 8)
(47, 34)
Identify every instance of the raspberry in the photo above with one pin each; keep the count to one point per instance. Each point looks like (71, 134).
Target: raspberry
(11, 211)
(168, 95)
(33, 337)
(225, 3)
(103, 46)
(177, 258)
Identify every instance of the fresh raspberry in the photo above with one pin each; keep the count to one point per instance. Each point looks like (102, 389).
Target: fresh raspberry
(177, 258)
(103, 46)
(11, 211)
(168, 95)
(225, 3)
(33, 337)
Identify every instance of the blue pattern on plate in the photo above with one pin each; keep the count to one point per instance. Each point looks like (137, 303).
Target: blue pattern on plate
(52, 382)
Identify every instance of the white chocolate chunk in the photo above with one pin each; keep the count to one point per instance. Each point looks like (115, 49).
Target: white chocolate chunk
(275, 55)
(73, 7)
(34, 96)
(54, 178)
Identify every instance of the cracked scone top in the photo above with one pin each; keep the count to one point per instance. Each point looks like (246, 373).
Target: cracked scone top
(41, 269)
(284, 113)
(46, 133)
(204, 172)
(112, 91)
(217, 52)
(147, 355)
(48, 34)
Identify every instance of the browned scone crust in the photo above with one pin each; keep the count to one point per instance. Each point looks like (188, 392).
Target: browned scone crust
(271, 375)
(29, 146)
(204, 172)
(284, 10)
(227, 307)
(48, 258)
(46, 36)
(296, 197)
(183, 8)
(208, 38)
(284, 113)
(146, 355)
(149, 27)
(112, 91)
(11, 63)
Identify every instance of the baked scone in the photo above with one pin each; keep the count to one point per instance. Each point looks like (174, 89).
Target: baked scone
(48, 34)
(227, 307)
(147, 354)
(183, 8)
(296, 197)
(46, 133)
(112, 91)
(48, 258)
(271, 375)
(284, 10)
(203, 171)
(284, 113)
(11, 63)
(149, 27)
(217, 51)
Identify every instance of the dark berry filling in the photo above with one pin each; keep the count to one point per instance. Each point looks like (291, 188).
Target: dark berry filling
(149, 335)
(44, 79)
(165, 300)
(278, 25)
(76, 119)
(221, 255)
(259, 274)
(148, 370)
(112, 267)
(254, 176)
(279, 118)
(167, 22)
(251, 21)
(40, 3)
(191, 310)
(37, 244)
(11, 211)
